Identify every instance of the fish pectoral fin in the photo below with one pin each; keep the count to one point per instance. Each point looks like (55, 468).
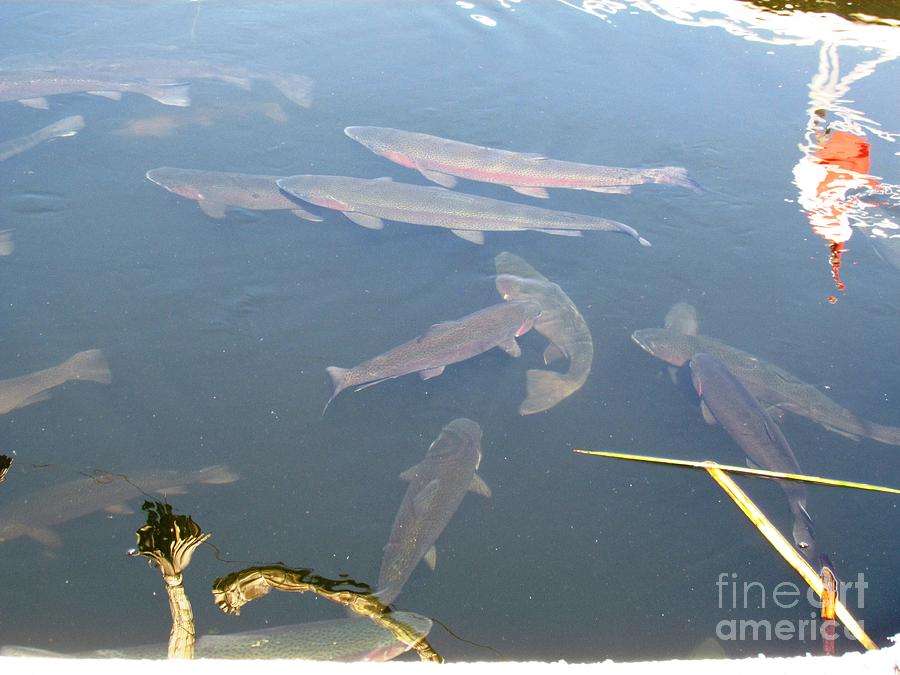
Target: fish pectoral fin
(45, 536)
(443, 179)
(561, 233)
(673, 374)
(111, 95)
(532, 156)
(751, 464)
(424, 498)
(610, 189)
(708, 417)
(554, 352)
(306, 215)
(474, 236)
(212, 209)
(775, 413)
(538, 192)
(479, 487)
(428, 373)
(365, 220)
(511, 347)
(39, 103)
(34, 398)
(373, 383)
(430, 557)
(410, 474)
(119, 509)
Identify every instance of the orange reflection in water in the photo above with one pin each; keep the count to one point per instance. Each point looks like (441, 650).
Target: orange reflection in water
(838, 164)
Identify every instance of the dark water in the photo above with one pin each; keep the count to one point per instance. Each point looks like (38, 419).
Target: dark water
(218, 332)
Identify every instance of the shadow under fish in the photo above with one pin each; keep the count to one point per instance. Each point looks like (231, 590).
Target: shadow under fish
(560, 322)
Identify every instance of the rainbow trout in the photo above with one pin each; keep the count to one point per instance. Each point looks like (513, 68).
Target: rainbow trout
(442, 160)
(68, 126)
(370, 202)
(19, 392)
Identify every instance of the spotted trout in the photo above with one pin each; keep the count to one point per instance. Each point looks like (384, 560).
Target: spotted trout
(769, 384)
(437, 486)
(216, 191)
(19, 392)
(443, 344)
(32, 88)
(370, 202)
(336, 640)
(724, 400)
(442, 160)
(560, 322)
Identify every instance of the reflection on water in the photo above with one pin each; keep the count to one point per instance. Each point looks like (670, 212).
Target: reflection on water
(220, 317)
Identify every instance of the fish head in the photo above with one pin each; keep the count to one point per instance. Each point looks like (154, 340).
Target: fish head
(701, 365)
(325, 191)
(182, 182)
(375, 139)
(663, 344)
(458, 436)
(511, 287)
(530, 311)
(804, 537)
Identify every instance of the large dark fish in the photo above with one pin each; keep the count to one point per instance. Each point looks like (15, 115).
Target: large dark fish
(33, 88)
(68, 126)
(437, 486)
(769, 384)
(336, 640)
(443, 344)
(441, 160)
(19, 392)
(724, 400)
(215, 191)
(367, 202)
(34, 515)
(560, 322)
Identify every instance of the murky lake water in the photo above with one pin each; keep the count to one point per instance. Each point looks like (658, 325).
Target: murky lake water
(218, 332)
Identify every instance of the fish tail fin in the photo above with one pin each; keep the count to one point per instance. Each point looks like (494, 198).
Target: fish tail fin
(674, 175)
(545, 389)
(218, 474)
(89, 365)
(338, 378)
(170, 94)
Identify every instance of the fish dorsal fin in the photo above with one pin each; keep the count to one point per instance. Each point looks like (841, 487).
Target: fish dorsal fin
(773, 432)
(708, 417)
(39, 103)
(424, 499)
(479, 487)
(45, 536)
(306, 215)
(442, 179)
(111, 95)
(682, 318)
(428, 373)
(554, 352)
(474, 236)
(430, 557)
(212, 209)
(438, 328)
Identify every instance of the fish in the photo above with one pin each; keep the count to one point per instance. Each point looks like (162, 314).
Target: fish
(68, 126)
(342, 640)
(6, 242)
(36, 514)
(216, 191)
(18, 392)
(560, 322)
(368, 202)
(32, 88)
(442, 160)
(437, 486)
(774, 387)
(442, 344)
(724, 400)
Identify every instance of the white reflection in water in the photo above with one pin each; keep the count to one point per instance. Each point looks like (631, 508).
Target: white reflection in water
(484, 20)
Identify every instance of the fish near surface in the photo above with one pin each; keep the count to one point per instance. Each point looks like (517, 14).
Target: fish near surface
(724, 400)
(36, 514)
(560, 322)
(336, 640)
(216, 191)
(772, 386)
(443, 344)
(68, 126)
(442, 160)
(437, 486)
(369, 202)
(7, 246)
(33, 88)
(19, 392)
